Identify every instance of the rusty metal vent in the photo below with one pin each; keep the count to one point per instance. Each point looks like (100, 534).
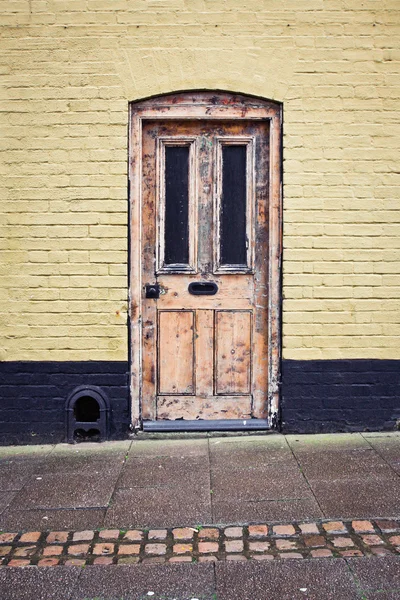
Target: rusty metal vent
(87, 415)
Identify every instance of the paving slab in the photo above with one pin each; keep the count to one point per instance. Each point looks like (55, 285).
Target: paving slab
(189, 472)
(160, 506)
(17, 463)
(243, 458)
(266, 447)
(67, 490)
(283, 509)
(169, 447)
(376, 574)
(388, 448)
(79, 464)
(93, 449)
(333, 465)
(349, 498)
(326, 442)
(130, 582)
(15, 473)
(26, 452)
(42, 520)
(347, 475)
(270, 482)
(30, 583)
(292, 580)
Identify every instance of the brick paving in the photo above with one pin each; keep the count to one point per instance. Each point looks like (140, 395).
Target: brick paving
(266, 541)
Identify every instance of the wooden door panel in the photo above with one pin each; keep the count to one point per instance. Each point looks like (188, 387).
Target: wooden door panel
(233, 352)
(176, 352)
(207, 303)
(205, 353)
(198, 407)
(229, 287)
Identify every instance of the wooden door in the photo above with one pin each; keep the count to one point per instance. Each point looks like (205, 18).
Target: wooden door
(205, 244)
(204, 326)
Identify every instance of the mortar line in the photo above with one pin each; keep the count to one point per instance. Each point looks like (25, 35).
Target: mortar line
(356, 581)
(117, 480)
(210, 479)
(76, 582)
(60, 508)
(52, 450)
(380, 455)
(305, 478)
(215, 579)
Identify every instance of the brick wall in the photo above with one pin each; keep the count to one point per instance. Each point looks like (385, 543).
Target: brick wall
(33, 397)
(69, 69)
(340, 395)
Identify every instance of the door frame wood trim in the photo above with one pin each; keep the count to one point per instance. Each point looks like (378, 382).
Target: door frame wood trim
(213, 106)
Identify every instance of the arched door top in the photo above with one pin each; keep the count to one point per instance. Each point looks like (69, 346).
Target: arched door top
(208, 104)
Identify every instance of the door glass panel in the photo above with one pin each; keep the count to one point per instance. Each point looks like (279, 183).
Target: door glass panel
(233, 247)
(176, 223)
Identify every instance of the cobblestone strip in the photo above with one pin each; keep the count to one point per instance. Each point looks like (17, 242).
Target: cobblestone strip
(269, 541)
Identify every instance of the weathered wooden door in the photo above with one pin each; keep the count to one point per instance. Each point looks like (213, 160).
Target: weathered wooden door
(205, 270)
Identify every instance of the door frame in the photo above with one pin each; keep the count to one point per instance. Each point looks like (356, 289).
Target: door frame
(205, 105)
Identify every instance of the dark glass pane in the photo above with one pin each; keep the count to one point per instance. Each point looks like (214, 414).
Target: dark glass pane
(176, 205)
(233, 206)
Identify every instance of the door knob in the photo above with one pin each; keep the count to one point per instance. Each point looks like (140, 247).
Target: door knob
(152, 290)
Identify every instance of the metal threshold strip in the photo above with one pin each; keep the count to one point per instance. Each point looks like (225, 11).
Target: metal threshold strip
(204, 425)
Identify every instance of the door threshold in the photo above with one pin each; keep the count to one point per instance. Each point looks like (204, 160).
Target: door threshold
(207, 425)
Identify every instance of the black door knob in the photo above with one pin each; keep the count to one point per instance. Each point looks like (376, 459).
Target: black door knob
(152, 290)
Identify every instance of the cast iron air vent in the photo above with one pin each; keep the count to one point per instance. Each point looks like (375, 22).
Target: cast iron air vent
(87, 415)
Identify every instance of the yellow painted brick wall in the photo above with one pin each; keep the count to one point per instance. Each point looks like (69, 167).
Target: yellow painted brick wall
(68, 70)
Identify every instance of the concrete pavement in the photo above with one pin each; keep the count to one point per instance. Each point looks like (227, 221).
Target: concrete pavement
(178, 482)
(155, 484)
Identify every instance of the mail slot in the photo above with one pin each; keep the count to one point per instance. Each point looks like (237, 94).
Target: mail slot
(203, 288)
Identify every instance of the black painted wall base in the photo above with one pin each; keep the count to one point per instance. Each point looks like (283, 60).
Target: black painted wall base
(340, 395)
(33, 396)
(317, 396)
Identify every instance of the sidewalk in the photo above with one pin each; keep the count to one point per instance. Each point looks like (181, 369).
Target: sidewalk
(239, 507)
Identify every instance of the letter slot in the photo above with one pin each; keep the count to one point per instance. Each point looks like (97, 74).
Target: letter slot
(203, 288)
